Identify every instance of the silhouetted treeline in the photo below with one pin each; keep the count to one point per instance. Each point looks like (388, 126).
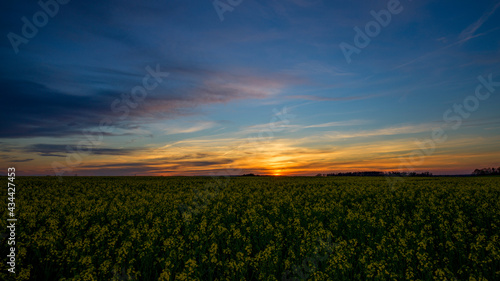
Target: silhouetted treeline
(405, 174)
(357, 174)
(254, 175)
(486, 172)
(376, 174)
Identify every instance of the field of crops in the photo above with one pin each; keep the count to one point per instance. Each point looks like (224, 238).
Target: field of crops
(256, 228)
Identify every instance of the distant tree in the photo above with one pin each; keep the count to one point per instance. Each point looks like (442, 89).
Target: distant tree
(486, 171)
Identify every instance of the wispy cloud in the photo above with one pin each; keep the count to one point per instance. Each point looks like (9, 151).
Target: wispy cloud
(399, 130)
(60, 150)
(338, 124)
(41, 111)
(21, 160)
(320, 98)
(468, 33)
(198, 127)
(426, 55)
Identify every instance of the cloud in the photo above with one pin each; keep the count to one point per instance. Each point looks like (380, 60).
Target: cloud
(159, 165)
(338, 124)
(318, 98)
(60, 150)
(198, 127)
(408, 129)
(34, 110)
(321, 98)
(283, 125)
(468, 33)
(21, 160)
(40, 111)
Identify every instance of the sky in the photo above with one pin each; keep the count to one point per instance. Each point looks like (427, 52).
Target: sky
(228, 87)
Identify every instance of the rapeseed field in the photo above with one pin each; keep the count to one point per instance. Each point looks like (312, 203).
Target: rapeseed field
(256, 228)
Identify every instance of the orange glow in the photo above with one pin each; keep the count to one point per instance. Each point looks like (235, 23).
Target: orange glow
(287, 157)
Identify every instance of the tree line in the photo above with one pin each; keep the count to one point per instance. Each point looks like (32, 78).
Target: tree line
(377, 174)
(486, 171)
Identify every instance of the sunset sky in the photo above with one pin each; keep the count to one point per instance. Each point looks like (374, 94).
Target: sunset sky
(264, 86)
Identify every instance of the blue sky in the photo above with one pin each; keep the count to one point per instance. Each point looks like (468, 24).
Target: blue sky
(265, 90)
